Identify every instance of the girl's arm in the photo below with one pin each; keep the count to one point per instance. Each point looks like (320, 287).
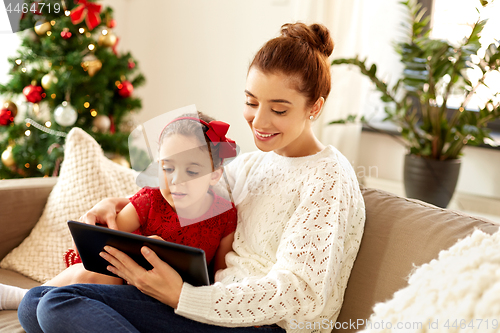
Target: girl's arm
(105, 212)
(225, 246)
(127, 219)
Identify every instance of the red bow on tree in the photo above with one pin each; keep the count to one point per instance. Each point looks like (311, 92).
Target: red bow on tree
(88, 11)
(217, 134)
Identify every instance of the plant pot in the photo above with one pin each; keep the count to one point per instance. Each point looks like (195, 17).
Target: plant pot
(429, 180)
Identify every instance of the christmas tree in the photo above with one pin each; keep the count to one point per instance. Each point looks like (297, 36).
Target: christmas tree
(71, 74)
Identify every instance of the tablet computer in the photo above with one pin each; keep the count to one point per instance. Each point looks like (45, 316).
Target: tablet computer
(90, 240)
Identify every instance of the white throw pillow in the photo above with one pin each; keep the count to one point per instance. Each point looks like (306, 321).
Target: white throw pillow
(458, 292)
(86, 177)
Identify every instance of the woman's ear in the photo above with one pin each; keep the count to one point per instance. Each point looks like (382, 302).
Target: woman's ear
(215, 176)
(316, 108)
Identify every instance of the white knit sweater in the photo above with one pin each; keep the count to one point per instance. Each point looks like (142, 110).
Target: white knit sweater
(300, 222)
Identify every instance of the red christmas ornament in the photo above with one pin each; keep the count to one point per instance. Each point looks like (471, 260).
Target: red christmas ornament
(125, 89)
(6, 117)
(131, 64)
(111, 24)
(66, 34)
(34, 94)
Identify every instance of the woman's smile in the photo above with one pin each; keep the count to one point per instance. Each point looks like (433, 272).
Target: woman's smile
(263, 136)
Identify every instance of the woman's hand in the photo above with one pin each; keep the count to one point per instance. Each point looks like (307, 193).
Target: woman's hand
(104, 212)
(156, 237)
(162, 282)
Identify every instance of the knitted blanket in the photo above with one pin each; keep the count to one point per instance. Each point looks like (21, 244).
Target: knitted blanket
(458, 292)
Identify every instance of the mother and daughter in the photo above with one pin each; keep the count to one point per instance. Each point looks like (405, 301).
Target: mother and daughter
(300, 221)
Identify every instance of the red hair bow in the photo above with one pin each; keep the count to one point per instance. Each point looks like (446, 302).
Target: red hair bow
(88, 11)
(217, 133)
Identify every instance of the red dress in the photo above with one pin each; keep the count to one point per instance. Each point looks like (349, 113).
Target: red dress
(157, 217)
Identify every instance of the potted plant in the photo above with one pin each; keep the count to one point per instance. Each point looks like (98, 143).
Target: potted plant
(435, 135)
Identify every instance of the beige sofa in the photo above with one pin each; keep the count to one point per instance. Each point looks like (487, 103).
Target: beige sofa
(399, 234)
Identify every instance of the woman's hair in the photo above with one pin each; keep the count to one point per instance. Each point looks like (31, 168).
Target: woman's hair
(301, 52)
(191, 128)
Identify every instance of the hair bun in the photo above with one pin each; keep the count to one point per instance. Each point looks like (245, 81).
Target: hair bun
(316, 35)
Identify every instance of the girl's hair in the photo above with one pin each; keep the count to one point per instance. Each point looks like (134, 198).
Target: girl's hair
(301, 52)
(191, 128)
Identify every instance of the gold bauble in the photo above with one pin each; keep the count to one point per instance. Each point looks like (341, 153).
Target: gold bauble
(102, 123)
(91, 64)
(11, 106)
(121, 160)
(41, 27)
(108, 40)
(48, 80)
(8, 157)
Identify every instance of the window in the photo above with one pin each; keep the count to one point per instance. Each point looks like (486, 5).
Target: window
(453, 20)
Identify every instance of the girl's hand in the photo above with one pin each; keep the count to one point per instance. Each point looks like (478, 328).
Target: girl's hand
(104, 212)
(162, 282)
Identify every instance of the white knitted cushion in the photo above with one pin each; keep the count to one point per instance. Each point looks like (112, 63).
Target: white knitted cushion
(458, 292)
(86, 177)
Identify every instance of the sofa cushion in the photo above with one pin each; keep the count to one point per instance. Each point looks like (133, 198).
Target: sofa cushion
(399, 234)
(86, 177)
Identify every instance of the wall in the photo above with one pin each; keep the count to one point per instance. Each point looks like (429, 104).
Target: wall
(198, 52)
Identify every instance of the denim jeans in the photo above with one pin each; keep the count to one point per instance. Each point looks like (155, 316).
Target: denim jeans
(108, 308)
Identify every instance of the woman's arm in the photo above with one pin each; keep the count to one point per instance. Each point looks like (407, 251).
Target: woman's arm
(104, 212)
(225, 246)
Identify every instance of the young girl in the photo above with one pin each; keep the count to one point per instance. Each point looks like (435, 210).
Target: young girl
(183, 210)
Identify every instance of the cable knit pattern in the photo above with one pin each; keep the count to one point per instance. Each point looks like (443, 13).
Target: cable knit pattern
(300, 223)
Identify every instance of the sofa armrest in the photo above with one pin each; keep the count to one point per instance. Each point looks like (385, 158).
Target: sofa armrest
(23, 201)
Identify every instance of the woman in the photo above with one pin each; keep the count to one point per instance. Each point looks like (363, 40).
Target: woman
(300, 222)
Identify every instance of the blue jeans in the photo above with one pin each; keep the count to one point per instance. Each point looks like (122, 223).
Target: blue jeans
(108, 308)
